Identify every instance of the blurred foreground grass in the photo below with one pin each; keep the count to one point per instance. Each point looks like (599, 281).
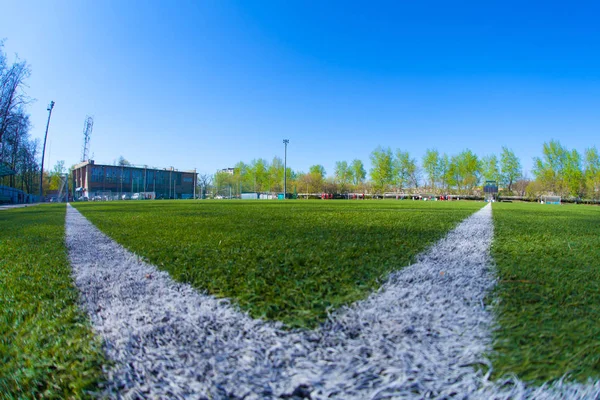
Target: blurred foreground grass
(47, 349)
(548, 261)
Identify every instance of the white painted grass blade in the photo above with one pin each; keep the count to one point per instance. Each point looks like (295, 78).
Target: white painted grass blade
(422, 335)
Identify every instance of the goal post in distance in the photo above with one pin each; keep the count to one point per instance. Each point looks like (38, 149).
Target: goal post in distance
(551, 199)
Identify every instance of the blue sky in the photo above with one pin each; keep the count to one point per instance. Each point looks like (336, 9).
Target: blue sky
(204, 84)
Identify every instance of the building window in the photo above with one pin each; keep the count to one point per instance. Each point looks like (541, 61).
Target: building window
(97, 174)
(161, 178)
(136, 175)
(111, 175)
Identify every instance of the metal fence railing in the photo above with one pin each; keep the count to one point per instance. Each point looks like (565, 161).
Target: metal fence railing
(10, 195)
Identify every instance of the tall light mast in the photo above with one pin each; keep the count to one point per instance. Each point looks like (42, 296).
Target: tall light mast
(50, 107)
(88, 126)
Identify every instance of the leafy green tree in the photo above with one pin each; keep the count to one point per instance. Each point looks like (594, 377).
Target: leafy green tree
(276, 174)
(454, 177)
(465, 171)
(560, 170)
(573, 174)
(292, 180)
(316, 178)
(549, 170)
(343, 175)
(490, 169)
(330, 185)
(225, 184)
(431, 166)
(55, 175)
(592, 173)
(358, 172)
(243, 177)
(258, 176)
(317, 170)
(534, 190)
(405, 170)
(382, 171)
(303, 182)
(259, 169)
(445, 173)
(510, 167)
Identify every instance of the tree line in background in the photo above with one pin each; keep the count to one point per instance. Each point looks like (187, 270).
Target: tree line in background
(18, 151)
(558, 171)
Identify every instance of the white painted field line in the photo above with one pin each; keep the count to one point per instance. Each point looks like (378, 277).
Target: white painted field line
(417, 337)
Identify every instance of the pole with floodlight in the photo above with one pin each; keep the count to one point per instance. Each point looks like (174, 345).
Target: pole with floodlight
(50, 107)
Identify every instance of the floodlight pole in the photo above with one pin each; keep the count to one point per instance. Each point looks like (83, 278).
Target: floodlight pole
(50, 107)
(285, 142)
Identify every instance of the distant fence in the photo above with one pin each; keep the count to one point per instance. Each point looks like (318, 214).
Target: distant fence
(10, 195)
(573, 200)
(414, 195)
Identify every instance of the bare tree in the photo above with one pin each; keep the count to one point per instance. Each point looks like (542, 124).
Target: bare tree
(17, 151)
(520, 186)
(15, 137)
(30, 168)
(204, 182)
(12, 96)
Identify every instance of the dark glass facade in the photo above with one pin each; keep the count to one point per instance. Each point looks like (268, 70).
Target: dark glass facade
(90, 180)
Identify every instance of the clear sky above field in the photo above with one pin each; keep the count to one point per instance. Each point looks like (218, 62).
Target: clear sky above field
(204, 84)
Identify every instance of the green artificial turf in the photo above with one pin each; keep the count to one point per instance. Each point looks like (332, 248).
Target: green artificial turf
(47, 349)
(548, 261)
(291, 261)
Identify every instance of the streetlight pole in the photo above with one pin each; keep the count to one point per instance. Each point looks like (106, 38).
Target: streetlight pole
(285, 142)
(50, 107)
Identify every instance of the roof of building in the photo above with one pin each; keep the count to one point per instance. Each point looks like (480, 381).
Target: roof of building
(91, 162)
